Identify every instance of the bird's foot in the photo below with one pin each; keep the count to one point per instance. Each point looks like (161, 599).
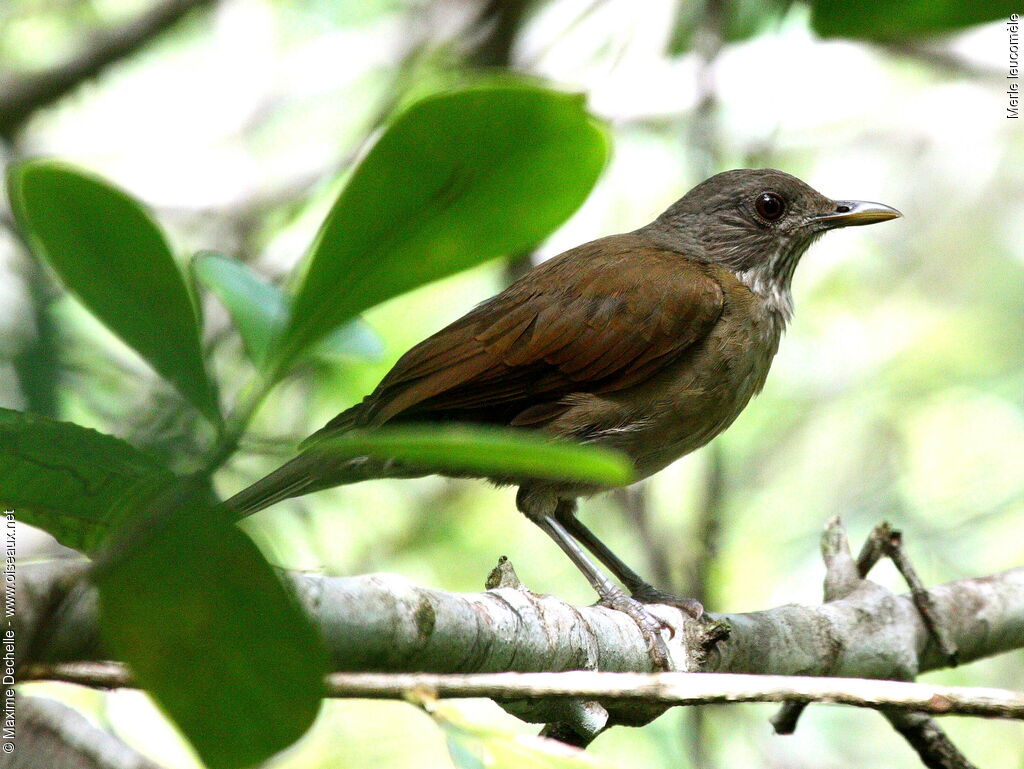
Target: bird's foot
(650, 625)
(649, 594)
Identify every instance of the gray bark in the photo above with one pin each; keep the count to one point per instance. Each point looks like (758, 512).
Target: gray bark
(382, 622)
(51, 735)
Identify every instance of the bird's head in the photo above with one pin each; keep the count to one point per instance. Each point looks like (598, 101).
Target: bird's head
(758, 223)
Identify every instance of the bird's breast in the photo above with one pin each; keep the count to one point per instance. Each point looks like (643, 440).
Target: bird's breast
(702, 394)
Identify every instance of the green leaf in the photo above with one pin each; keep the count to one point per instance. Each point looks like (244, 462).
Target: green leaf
(884, 20)
(212, 634)
(484, 451)
(458, 179)
(114, 258)
(355, 339)
(259, 311)
(74, 483)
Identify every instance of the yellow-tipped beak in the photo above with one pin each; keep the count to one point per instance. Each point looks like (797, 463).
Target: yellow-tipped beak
(851, 213)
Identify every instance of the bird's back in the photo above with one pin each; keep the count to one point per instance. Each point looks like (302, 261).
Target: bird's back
(601, 318)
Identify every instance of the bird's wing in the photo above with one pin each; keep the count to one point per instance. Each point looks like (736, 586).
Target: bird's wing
(592, 320)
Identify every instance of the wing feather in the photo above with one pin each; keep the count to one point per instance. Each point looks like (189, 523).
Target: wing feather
(589, 321)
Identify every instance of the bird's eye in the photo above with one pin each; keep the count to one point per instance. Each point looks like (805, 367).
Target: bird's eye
(770, 206)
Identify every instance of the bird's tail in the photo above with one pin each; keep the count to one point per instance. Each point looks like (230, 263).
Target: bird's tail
(307, 473)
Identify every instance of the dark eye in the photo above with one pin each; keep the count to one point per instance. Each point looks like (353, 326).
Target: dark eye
(770, 206)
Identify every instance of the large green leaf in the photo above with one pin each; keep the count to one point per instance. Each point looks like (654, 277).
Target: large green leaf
(885, 20)
(457, 179)
(259, 310)
(485, 451)
(211, 633)
(73, 482)
(114, 258)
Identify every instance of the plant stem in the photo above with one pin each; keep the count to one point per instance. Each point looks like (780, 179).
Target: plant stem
(249, 402)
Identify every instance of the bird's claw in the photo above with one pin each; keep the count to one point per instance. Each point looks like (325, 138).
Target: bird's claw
(649, 594)
(650, 626)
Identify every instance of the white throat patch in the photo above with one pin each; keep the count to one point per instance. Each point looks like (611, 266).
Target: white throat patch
(764, 281)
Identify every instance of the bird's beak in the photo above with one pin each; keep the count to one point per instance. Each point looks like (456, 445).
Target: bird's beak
(850, 213)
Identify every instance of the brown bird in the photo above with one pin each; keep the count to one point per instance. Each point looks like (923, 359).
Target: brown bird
(650, 342)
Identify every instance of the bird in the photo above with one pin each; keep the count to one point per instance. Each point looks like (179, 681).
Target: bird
(649, 342)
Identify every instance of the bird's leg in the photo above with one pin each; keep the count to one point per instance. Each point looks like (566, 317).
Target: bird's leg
(639, 588)
(540, 509)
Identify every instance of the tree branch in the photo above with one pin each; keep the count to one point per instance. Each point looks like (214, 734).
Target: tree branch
(55, 735)
(384, 623)
(20, 98)
(926, 737)
(842, 577)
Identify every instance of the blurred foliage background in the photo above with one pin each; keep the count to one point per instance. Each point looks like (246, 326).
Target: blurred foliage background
(896, 393)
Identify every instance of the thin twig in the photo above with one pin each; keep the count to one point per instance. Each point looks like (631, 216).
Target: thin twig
(785, 720)
(663, 688)
(942, 59)
(21, 98)
(887, 541)
(925, 736)
(704, 135)
(933, 745)
(872, 550)
(935, 748)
